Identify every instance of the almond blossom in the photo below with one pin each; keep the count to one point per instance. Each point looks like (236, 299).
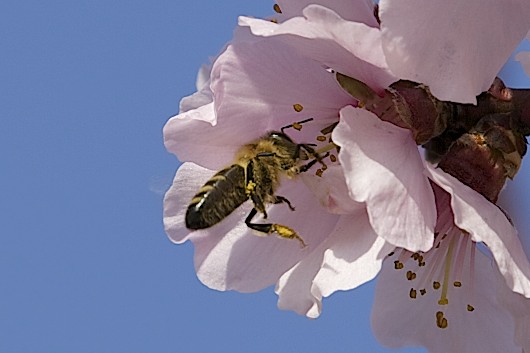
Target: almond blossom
(378, 199)
(258, 86)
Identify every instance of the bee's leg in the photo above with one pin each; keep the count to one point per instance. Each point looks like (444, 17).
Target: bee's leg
(280, 199)
(269, 228)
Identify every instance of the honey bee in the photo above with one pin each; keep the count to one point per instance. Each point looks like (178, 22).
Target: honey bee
(255, 175)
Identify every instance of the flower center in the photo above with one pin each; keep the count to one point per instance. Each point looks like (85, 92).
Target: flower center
(445, 272)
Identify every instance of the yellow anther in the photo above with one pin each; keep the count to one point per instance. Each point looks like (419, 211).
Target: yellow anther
(332, 158)
(392, 253)
(457, 284)
(411, 275)
(441, 321)
(443, 301)
(398, 265)
(412, 293)
(276, 8)
(319, 172)
(321, 138)
(423, 291)
(436, 285)
(273, 20)
(298, 108)
(470, 308)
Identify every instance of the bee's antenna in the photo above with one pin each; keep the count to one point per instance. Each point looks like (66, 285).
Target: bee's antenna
(296, 126)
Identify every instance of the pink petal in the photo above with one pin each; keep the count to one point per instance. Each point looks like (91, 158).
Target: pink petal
(188, 180)
(399, 321)
(519, 307)
(321, 35)
(383, 168)
(258, 83)
(185, 132)
(349, 257)
(353, 10)
(455, 47)
(487, 223)
(229, 256)
(332, 191)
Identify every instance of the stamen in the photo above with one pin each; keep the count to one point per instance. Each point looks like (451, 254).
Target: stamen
(448, 258)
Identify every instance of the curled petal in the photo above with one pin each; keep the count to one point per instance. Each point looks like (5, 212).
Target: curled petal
(383, 168)
(398, 320)
(350, 256)
(487, 223)
(320, 35)
(354, 10)
(185, 132)
(455, 47)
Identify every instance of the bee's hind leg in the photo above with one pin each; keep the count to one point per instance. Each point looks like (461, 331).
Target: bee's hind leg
(270, 228)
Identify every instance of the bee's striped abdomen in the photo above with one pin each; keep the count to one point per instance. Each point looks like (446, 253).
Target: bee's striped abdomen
(219, 197)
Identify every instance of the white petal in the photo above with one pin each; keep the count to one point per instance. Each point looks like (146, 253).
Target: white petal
(350, 256)
(455, 47)
(383, 168)
(399, 321)
(487, 223)
(321, 36)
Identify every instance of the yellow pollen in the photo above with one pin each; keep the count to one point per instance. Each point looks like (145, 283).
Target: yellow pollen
(324, 167)
(411, 275)
(441, 321)
(412, 293)
(423, 291)
(333, 158)
(319, 172)
(470, 308)
(457, 284)
(321, 138)
(436, 285)
(398, 265)
(276, 8)
(298, 108)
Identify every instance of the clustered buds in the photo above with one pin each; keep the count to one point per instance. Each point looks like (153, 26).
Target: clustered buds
(481, 145)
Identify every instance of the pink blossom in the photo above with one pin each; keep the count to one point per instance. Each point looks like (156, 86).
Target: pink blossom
(256, 86)
(379, 196)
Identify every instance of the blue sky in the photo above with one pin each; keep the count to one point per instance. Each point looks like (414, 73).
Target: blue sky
(85, 265)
